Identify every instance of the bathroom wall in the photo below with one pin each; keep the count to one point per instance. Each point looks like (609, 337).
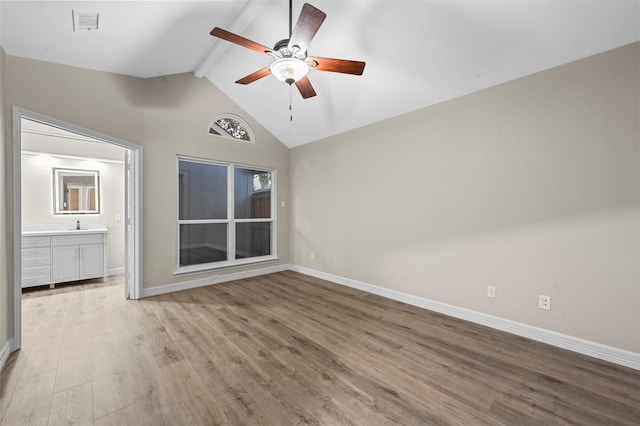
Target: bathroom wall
(37, 186)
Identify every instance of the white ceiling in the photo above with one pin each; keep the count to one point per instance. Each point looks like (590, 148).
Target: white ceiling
(418, 53)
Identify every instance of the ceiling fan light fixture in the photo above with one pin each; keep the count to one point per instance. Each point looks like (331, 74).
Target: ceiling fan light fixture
(289, 70)
(291, 61)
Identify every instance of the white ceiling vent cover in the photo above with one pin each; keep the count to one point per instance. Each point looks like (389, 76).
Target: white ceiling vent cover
(86, 19)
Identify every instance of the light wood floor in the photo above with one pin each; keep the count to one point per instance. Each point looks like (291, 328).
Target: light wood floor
(288, 349)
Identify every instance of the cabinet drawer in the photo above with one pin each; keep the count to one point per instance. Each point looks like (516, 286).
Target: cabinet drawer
(36, 257)
(36, 253)
(34, 279)
(30, 272)
(36, 241)
(72, 240)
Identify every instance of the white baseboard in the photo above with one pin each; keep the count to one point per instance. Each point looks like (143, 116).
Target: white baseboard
(4, 352)
(575, 344)
(115, 271)
(213, 279)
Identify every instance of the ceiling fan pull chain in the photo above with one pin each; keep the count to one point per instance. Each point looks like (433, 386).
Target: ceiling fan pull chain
(290, 109)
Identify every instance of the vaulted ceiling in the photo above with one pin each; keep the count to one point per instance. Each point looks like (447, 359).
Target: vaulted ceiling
(418, 53)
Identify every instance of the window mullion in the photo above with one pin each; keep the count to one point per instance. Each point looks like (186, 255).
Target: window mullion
(200, 221)
(274, 203)
(256, 220)
(231, 227)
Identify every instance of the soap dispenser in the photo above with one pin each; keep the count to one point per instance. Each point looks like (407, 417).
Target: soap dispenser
(78, 225)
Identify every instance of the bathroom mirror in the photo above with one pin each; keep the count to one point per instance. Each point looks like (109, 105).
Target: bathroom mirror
(76, 191)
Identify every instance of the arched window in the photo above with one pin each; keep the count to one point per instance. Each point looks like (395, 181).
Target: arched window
(231, 126)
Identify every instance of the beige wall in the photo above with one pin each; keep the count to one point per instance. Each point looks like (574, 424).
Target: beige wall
(167, 116)
(532, 186)
(178, 112)
(103, 102)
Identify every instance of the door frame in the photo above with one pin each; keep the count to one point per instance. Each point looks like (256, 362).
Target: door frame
(133, 233)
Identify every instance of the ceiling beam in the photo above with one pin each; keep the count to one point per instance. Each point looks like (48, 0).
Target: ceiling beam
(248, 12)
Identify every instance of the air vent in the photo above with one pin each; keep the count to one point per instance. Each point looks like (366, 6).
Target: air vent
(86, 19)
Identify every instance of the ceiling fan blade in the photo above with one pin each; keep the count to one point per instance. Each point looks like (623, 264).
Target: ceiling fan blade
(244, 42)
(337, 65)
(305, 88)
(255, 76)
(307, 26)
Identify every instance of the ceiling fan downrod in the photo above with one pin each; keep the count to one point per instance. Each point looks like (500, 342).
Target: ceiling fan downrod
(290, 18)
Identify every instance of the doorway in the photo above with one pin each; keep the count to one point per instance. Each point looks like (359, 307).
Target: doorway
(132, 205)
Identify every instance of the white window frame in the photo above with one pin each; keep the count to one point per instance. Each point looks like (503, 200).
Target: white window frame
(230, 221)
(222, 133)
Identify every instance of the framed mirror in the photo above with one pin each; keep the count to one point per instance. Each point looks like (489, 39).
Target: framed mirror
(76, 191)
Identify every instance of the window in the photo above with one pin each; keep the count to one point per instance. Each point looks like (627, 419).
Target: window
(231, 126)
(225, 215)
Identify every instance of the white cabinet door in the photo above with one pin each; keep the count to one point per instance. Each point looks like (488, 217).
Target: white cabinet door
(65, 263)
(91, 261)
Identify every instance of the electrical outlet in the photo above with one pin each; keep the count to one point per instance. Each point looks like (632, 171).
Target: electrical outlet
(544, 302)
(312, 255)
(491, 291)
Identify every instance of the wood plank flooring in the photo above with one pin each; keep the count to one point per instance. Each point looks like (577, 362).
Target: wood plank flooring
(286, 349)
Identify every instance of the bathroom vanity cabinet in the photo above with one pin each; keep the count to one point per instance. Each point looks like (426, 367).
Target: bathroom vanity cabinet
(36, 260)
(77, 257)
(63, 256)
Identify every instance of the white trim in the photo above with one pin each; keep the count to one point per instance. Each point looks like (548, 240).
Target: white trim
(213, 279)
(575, 344)
(136, 153)
(17, 227)
(223, 133)
(72, 157)
(213, 266)
(134, 264)
(61, 135)
(5, 351)
(231, 214)
(115, 271)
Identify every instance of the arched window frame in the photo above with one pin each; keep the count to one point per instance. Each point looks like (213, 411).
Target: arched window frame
(216, 129)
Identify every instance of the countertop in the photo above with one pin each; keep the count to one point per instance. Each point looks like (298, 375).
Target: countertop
(64, 232)
(64, 229)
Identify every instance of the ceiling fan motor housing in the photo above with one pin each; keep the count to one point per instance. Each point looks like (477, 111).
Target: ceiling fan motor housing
(282, 49)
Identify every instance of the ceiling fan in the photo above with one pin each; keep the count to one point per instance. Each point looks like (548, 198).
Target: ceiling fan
(291, 62)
